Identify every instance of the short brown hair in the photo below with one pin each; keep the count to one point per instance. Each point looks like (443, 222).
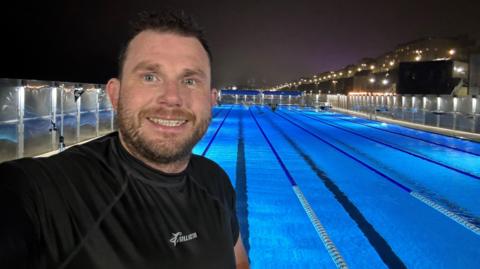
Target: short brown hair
(167, 21)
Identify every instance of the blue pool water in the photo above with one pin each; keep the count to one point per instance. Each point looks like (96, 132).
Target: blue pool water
(385, 195)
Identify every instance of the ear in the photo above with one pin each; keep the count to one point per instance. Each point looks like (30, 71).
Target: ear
(113, 91)
(213, 96)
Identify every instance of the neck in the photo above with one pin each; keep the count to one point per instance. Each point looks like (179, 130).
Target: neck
(169, 168)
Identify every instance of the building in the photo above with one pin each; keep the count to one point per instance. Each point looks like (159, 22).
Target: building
(382, 74)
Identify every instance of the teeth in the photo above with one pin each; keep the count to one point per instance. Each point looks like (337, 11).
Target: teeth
(169, 123)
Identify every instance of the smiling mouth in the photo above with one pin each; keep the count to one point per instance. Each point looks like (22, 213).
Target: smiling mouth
(167, 123)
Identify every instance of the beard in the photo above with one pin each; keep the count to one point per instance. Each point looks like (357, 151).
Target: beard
(165, 148)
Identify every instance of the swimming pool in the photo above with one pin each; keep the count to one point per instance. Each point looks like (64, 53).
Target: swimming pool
(325, 190)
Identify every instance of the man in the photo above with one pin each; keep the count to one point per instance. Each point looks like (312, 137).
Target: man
(137, 198)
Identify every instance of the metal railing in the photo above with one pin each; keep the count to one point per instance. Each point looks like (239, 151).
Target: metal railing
(445, 111)
(42, 116)
(311, 100)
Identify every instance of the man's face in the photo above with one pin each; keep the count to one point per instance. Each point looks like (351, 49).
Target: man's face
(163, 100)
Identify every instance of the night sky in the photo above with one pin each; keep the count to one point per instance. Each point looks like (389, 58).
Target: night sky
(269, 42)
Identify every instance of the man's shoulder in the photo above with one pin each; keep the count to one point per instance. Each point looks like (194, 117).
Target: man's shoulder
(69, 162)
(203, 161)
(210, 175)
(97, 148)
(205, 166)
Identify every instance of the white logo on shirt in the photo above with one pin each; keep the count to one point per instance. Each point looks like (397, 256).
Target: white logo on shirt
(179, 238)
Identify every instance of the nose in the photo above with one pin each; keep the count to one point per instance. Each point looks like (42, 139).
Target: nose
(170, 94)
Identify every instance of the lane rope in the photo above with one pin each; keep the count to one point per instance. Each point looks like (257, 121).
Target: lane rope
(450, 214)
(319, 228)
(395, 147)
(407, 135)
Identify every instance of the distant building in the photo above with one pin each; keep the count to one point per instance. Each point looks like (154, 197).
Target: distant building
(383, 74)
(432, 77)
(474, 70)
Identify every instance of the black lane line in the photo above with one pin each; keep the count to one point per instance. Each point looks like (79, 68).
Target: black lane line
(411, 136)
(380, 245)
(242, 210)
(462, 218)
(321, 231)
(400, 185)
(394, 147)
(241, 186)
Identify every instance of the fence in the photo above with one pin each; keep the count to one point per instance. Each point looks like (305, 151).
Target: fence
(445, 111)
(265, 98)
(37, 116)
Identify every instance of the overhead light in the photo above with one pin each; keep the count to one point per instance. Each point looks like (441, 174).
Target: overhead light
(458, 69)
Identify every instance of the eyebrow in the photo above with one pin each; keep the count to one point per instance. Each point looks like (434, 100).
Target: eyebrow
(194, 72)
(147, 66)
(144, 65)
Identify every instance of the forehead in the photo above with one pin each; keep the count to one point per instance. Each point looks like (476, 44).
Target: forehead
(166, 48)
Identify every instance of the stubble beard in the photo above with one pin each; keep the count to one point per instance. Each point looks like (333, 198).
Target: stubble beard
(165, 149)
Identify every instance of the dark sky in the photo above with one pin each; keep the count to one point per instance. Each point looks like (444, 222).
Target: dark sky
(268, 41)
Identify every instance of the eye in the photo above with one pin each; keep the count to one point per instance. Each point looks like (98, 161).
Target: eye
(149, 77)
(190, 82)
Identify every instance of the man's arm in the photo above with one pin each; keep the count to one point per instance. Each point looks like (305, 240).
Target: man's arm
(241, 258)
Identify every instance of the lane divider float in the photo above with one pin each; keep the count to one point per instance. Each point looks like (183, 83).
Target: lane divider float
(446, 212)
(321, 231)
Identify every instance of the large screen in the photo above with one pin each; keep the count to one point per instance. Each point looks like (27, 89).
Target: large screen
(433, 77)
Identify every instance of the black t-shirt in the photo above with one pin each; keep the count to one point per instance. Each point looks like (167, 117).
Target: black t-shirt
(96, 206)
